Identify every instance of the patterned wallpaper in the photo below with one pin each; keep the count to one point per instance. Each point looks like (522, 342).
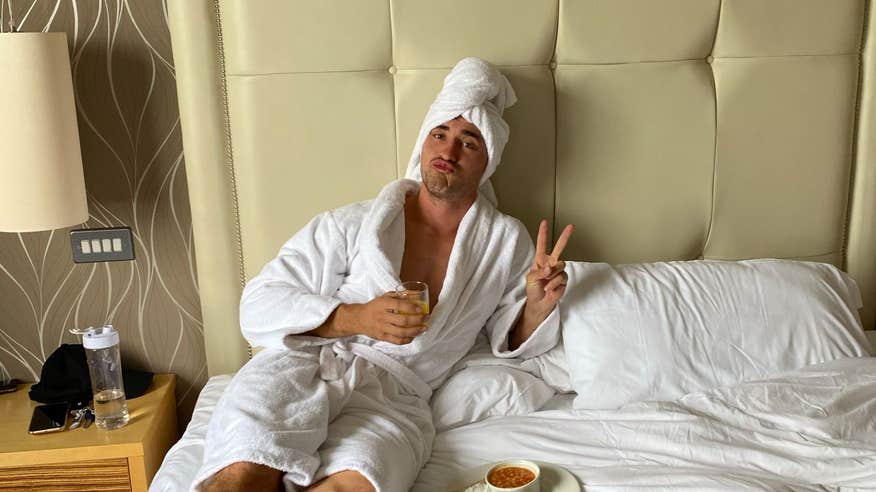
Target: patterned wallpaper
(125, 88)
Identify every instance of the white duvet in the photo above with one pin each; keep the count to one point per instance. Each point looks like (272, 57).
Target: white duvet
(810, 429)
(812, 426)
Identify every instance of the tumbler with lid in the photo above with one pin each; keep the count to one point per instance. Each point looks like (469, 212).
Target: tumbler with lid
(104, 365)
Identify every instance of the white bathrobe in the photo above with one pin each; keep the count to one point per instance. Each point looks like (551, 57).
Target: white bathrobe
(312, 406)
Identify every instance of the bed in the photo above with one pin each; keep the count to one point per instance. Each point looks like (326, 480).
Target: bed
(667, 131)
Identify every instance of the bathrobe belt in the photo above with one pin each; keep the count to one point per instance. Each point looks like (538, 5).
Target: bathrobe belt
(333, 360)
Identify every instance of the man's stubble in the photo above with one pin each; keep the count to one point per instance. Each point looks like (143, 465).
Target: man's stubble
(438, 186)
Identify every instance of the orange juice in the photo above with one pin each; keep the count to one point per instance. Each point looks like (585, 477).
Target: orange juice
(424, 306)
(416, 292)
(414, 297)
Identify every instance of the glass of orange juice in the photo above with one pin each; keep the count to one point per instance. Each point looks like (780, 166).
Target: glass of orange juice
(416, 292)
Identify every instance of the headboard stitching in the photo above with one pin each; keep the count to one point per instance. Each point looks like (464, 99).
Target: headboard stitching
(229, 155)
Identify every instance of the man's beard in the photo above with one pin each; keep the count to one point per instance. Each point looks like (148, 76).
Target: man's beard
(438, 186)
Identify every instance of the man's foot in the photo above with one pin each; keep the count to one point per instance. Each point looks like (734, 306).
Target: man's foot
(244, 476)
(345, 481)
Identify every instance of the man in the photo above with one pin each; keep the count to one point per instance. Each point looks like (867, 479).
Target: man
(339, 399)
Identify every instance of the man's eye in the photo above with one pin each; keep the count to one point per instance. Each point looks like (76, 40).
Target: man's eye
(470, 145)
(438, 136)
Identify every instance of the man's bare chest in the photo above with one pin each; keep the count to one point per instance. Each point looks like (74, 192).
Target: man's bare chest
(425, 259)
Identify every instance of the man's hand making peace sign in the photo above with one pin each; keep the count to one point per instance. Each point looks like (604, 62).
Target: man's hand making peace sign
(545, 284)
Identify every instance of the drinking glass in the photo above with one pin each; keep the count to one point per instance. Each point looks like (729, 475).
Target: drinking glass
(416, 292)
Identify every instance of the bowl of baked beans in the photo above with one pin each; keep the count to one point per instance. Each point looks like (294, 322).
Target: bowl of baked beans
(513, 476)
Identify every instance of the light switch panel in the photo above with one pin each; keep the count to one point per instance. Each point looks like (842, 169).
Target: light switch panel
(110, 244)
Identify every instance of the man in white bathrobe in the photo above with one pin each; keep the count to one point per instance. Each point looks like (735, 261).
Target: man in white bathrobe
(339, 399)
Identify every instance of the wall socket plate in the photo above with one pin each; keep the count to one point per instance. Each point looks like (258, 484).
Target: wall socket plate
(106, 244)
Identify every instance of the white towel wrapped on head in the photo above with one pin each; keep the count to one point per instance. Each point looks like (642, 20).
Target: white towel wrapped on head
(477, 91)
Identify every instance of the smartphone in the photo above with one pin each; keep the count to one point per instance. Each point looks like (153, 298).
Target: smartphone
(9, 386)
(49, 418)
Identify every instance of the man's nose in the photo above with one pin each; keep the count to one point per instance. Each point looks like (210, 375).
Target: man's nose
(450, 149)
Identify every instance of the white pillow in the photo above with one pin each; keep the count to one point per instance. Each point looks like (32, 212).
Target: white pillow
(661, 330)
(481, 391)
(552, 368)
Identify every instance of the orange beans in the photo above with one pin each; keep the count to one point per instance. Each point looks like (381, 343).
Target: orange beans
(510, 476)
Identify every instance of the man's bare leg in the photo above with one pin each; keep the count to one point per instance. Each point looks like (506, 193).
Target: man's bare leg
(345, 481)
(244, 476)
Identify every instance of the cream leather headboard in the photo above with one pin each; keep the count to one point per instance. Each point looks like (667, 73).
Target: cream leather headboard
(664, 129)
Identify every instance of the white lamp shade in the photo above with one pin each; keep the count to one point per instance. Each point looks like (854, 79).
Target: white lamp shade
(42, 186)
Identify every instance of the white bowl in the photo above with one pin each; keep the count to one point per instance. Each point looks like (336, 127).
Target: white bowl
(532, 486)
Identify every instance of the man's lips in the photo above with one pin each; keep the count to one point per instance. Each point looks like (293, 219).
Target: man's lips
(442, 166)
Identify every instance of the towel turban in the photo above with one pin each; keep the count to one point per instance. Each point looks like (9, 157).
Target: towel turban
(477, 91)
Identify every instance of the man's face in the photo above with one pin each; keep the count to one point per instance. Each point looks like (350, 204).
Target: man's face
(454, 157)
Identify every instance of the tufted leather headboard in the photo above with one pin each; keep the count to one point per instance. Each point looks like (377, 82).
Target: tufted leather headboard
(664, 129)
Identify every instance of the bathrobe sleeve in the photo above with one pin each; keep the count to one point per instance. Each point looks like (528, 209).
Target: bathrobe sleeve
(294, 292)
(511, 305)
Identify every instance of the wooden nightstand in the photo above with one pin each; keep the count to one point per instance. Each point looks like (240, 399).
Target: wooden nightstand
(88, 459)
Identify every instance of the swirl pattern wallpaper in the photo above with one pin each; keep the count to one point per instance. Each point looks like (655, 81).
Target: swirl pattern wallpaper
(125, 88)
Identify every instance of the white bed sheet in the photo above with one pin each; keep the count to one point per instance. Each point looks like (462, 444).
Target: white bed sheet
(812, 429)
(813, 426)
(183, 460)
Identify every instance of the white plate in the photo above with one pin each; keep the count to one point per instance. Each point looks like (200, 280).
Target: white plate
(553, 478)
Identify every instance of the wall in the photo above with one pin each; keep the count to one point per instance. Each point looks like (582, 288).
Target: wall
(125, 87)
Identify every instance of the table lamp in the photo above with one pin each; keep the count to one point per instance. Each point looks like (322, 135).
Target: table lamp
(42, 186)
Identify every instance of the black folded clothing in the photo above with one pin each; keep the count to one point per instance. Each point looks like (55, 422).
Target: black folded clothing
(65, 378)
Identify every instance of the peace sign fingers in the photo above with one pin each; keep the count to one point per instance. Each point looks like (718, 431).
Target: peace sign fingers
(542, 259)
(545, 283)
